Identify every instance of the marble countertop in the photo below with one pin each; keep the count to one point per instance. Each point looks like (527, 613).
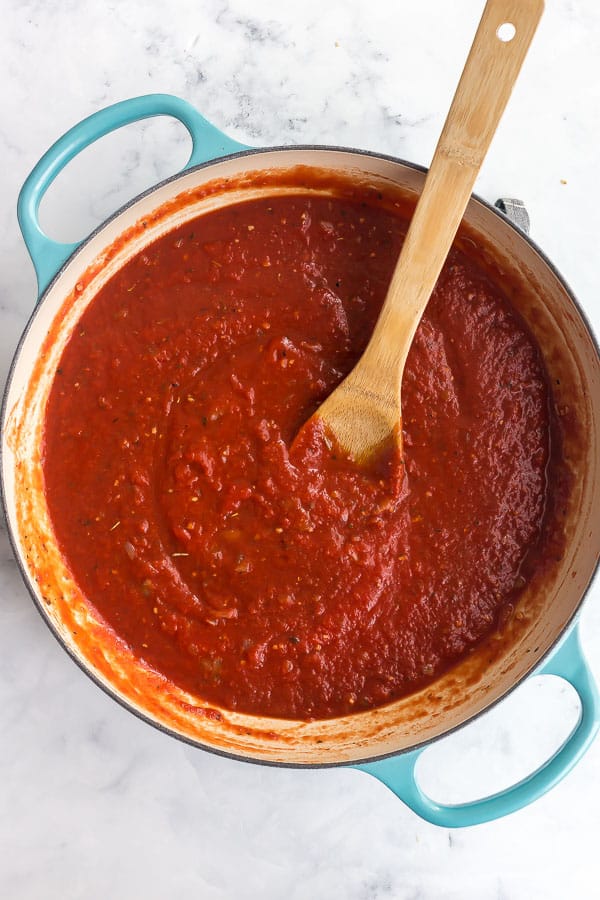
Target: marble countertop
(95, 803)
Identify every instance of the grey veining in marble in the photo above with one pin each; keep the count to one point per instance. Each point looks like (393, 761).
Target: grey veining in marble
(96, 804)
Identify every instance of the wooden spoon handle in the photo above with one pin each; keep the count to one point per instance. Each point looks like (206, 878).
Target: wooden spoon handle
(486, 83)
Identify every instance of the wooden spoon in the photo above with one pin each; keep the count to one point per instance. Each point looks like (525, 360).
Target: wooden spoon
(364, 413)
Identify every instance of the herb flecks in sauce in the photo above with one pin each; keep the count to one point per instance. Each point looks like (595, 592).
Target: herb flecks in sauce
(295, 586)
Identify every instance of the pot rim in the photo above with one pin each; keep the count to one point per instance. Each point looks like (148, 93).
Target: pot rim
(108, 689)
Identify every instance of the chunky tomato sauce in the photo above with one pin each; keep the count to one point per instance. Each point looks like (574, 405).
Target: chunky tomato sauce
(293, 583)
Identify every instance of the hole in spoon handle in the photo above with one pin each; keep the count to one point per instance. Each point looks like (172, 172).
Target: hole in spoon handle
(506, 32)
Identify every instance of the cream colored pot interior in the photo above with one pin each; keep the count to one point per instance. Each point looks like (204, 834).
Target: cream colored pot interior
(546, 607)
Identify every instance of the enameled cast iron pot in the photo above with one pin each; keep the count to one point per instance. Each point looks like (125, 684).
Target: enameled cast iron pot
(385, 742)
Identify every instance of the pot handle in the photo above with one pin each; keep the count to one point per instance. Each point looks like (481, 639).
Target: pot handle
(398, 773)
(48, 255)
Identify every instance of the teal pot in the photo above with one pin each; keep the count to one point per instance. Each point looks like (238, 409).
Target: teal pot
(384, 742)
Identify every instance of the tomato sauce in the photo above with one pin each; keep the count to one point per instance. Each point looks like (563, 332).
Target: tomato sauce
(279, 582)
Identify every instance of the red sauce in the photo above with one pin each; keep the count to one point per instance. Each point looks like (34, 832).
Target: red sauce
(294, 585)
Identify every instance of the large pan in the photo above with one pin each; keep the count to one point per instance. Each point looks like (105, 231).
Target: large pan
(542, 636)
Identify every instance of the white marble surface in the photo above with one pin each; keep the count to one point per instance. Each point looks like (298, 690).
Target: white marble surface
(96, 804)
